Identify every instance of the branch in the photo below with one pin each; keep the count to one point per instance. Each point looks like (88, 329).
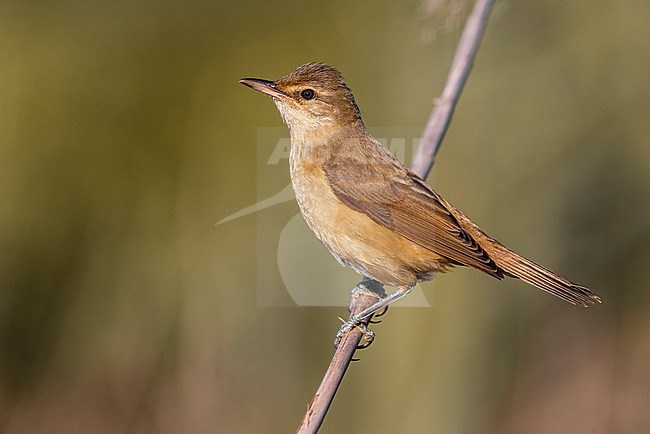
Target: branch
(363, 296)
(422, 162)
(439, 119)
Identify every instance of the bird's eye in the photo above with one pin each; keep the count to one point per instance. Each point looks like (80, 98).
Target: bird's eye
(308, 94)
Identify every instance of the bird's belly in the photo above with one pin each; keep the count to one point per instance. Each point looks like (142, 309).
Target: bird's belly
(358, 241)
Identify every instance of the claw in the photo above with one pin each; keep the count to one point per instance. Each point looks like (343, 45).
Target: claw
(353, 322)
(377, 315)
(368, 336)
(345, 328)
(383, 312)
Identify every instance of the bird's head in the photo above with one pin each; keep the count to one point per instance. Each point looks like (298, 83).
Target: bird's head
(313, 96)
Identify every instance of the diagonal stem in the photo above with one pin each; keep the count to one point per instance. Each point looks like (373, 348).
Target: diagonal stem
(441, 115)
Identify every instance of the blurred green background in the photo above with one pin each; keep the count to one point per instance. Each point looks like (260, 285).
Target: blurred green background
(124, 138)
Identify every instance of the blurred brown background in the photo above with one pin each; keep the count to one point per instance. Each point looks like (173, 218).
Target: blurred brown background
(124, 137)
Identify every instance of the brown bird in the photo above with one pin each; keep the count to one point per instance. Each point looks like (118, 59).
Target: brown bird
(371, 212)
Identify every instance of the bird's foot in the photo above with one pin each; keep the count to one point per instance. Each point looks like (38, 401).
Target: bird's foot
(360, 319)
(352, 323)
(366, 288)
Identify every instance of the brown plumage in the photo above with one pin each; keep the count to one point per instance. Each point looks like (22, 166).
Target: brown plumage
(369, 210)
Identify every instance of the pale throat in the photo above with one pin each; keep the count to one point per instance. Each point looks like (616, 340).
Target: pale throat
(308, 147)
(314, 137)
(308, 134)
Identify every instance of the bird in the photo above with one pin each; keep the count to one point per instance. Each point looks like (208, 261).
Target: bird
(371, 212)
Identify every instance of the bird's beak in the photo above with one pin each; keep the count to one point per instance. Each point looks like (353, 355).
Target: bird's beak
(264, 86)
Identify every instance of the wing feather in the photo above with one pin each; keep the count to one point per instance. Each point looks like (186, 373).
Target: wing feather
(401, 201)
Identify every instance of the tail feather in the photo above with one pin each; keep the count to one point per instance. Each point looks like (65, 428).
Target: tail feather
(517, 266)
(543, 278)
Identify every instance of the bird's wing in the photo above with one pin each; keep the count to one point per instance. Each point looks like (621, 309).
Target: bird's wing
(400, 200)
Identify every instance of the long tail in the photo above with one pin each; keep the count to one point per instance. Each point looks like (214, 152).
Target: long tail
(543, 278)
(515, 265)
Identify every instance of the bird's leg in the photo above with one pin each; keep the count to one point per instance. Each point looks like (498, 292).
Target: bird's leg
(369, 288)
(384, 302)
(368, 285)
